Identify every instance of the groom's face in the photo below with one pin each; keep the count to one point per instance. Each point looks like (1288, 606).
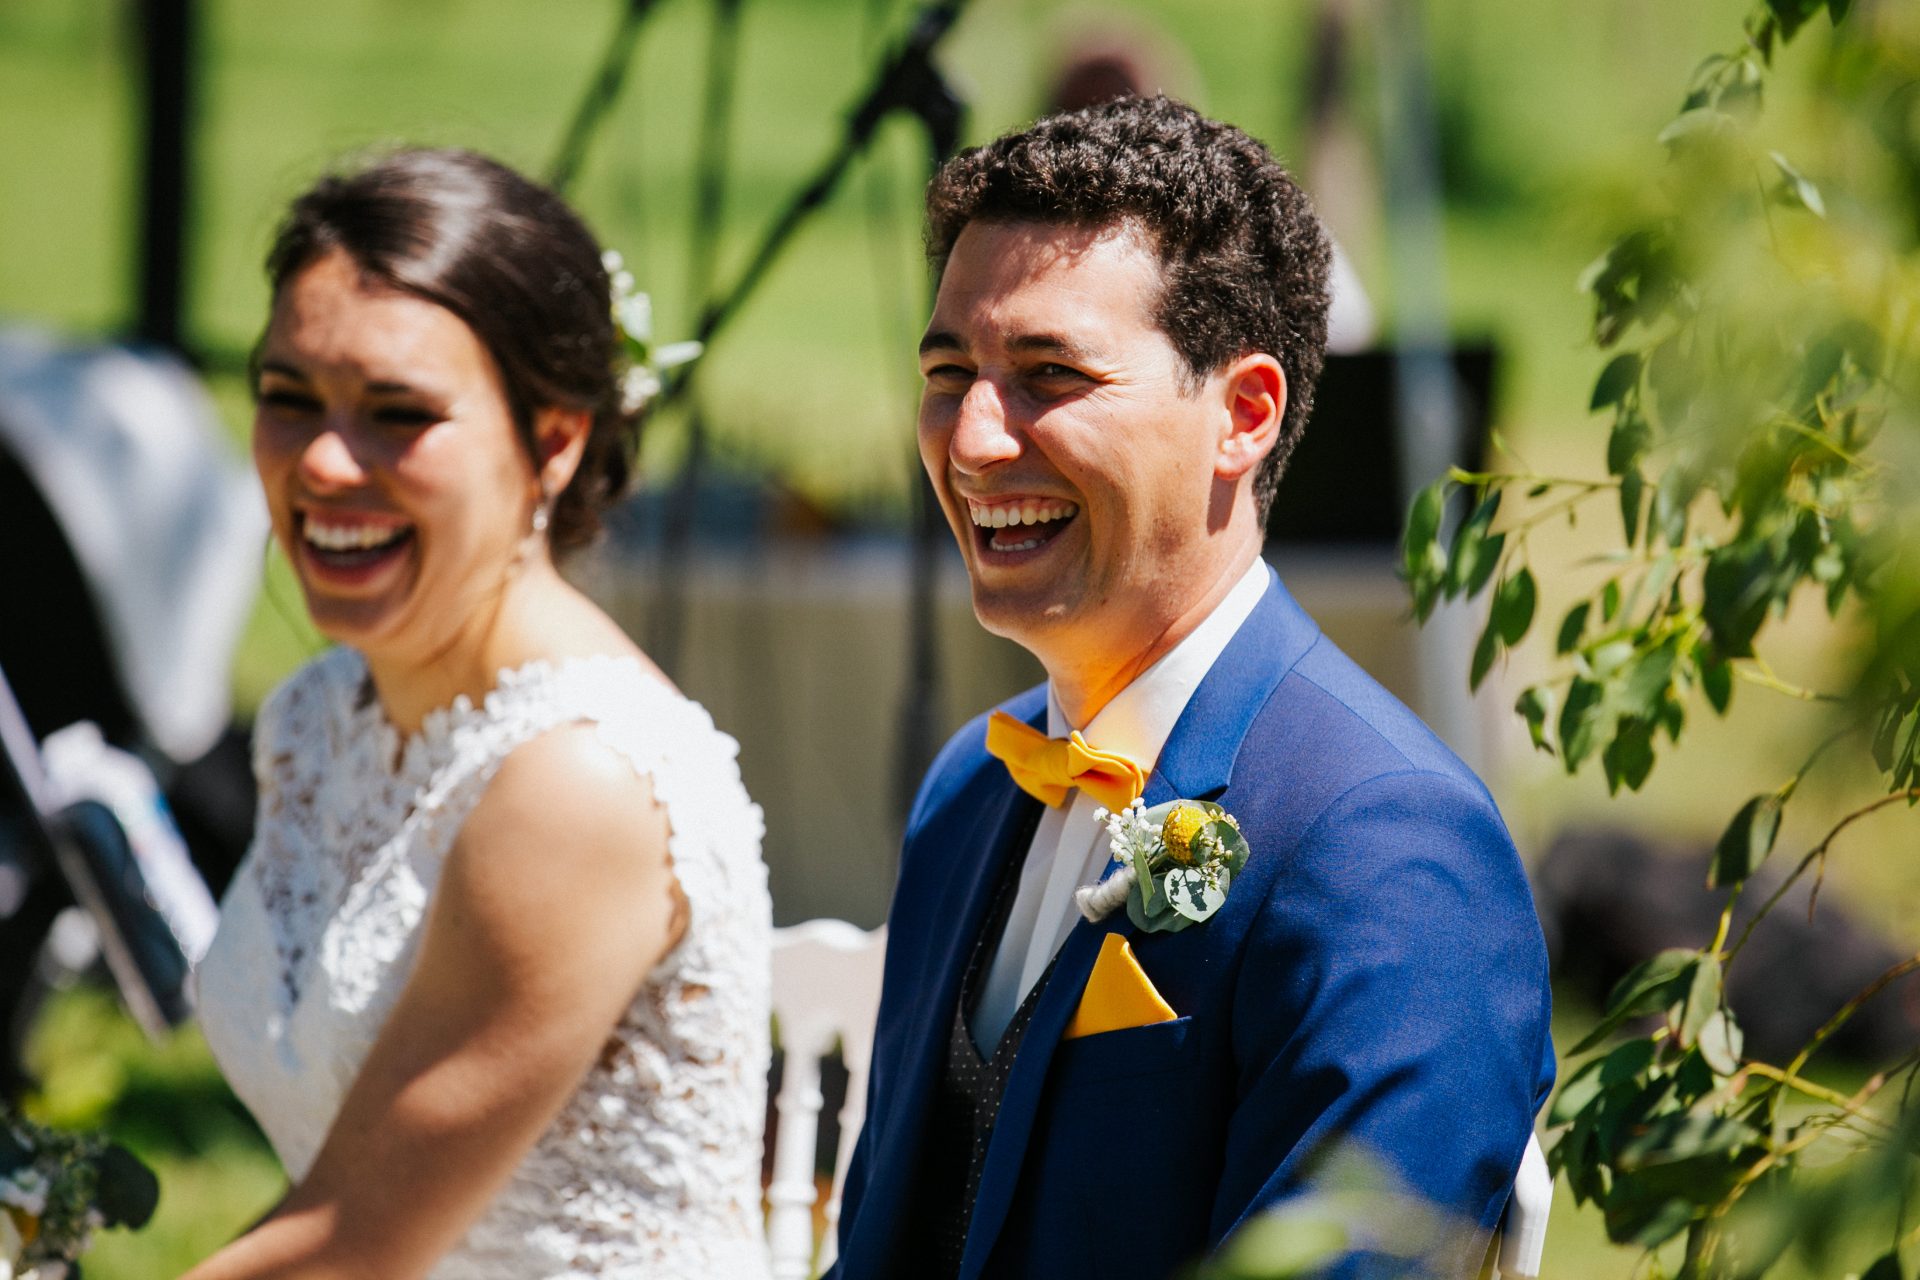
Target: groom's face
(1070, 448)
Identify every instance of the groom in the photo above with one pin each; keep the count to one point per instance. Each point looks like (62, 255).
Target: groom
(1131, 315)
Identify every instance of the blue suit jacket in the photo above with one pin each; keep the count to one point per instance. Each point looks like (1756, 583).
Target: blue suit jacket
(1376, 974)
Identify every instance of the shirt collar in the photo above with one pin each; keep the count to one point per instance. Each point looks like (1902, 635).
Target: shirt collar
(1137, 721)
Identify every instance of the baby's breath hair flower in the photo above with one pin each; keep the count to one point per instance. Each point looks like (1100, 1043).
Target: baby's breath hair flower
(633, 316)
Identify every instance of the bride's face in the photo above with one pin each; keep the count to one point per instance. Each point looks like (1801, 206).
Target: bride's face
(395, 478)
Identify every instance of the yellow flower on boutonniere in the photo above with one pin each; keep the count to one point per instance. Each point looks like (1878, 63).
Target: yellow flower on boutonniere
(1177, 861)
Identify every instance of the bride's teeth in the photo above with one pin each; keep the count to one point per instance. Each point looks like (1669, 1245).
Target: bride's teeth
(348, 537)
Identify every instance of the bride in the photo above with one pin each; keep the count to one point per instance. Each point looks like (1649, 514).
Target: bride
(494, 976)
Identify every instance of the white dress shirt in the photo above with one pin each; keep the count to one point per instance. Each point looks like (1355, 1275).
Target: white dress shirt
(1069, 848)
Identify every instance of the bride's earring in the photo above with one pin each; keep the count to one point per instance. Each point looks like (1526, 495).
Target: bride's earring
(534, 542)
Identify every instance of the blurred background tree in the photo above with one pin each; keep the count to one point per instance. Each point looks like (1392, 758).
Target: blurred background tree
(1763, 413)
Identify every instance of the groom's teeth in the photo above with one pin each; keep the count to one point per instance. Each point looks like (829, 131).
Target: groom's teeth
(1002, 515)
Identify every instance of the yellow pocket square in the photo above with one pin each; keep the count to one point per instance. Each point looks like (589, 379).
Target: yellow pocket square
(1118, 994)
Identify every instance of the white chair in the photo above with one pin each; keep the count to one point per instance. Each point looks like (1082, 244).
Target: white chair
(1523, 1232)
(826, 989)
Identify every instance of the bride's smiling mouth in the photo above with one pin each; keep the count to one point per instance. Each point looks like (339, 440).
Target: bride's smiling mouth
(1013, 527)
(350, 548)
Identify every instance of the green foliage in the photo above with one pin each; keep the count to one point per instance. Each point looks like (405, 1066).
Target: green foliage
(1763, 435)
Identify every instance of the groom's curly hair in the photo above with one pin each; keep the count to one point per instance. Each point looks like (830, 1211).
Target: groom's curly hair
(1244, 261)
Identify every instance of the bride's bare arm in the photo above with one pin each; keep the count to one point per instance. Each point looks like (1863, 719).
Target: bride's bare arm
(556, 901)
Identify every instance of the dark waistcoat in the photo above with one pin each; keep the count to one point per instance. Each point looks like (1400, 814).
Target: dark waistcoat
(966, 1099)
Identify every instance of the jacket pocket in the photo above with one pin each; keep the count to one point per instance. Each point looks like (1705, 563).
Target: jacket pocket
(1130, 1051)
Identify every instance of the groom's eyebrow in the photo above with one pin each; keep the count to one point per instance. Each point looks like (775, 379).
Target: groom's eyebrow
(1050, 344)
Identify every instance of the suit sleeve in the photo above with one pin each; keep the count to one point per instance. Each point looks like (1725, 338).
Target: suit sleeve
(1391, 1002)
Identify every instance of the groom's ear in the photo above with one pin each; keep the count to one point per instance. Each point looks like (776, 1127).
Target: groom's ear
(1254, 394)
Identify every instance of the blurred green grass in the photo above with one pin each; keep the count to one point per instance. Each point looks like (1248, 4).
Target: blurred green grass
(1547, 111)
(168, 1104)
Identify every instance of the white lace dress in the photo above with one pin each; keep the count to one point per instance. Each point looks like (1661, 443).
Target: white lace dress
(653, 1168)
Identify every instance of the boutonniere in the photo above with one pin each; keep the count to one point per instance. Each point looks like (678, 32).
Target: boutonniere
(1177, 861)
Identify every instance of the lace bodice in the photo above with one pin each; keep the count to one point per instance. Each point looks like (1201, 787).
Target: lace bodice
(652, 1168)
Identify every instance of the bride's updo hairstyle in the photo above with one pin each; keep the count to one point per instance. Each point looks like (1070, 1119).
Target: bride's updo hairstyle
(512, 260)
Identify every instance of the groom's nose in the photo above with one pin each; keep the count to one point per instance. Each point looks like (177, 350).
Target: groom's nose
(983, 435)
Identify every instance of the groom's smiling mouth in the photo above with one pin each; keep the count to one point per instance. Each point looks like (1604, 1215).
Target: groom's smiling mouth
(1011, 526)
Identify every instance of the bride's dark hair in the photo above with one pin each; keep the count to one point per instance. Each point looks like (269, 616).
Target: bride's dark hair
(512, 260)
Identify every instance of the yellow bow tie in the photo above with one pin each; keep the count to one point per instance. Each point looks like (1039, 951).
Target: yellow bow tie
(1047, 768)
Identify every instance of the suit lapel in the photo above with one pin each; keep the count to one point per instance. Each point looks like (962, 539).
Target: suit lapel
(1195, 764)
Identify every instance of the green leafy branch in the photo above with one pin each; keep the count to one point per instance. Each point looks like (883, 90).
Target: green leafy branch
(1753, 368)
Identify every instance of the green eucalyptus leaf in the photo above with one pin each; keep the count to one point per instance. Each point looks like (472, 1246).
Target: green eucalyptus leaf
(1747, 841)
(1620, 376)
(1419, 552)
(1721, 1042)
(1284, 1244)
(1716, 678)
(1475, 550)
(1650, 679)
(1793, 14)
(1572, 627)
(1736, 590)
(1581, 1089)
(1484, 652)
(1672, 497)
(1628, 758)
(1609, 600)
(1145, 892)
(1698, 125)
(1649, 986)
(1702, 1000)
(1513, 605)
(1580, 721)
(1190, 893)
(126, 1191)
(1233, 843)
(1633, 487)
(1685, 1136)
(1887, 1266)
(1161, 917)
(1627, 442)
(1535, 706)
(1645, 1221)
(1608, 660)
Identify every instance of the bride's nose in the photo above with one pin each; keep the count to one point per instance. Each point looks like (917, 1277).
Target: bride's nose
(328, 463)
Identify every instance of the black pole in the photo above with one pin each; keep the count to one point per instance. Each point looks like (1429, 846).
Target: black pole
(907, 76)
(667, 627)
(167, 34)
(942, 112)
(601, 94)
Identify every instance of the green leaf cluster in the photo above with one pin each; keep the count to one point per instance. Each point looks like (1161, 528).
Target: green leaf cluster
(1760, 394)
(1660, 1132)
(84, 1174)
